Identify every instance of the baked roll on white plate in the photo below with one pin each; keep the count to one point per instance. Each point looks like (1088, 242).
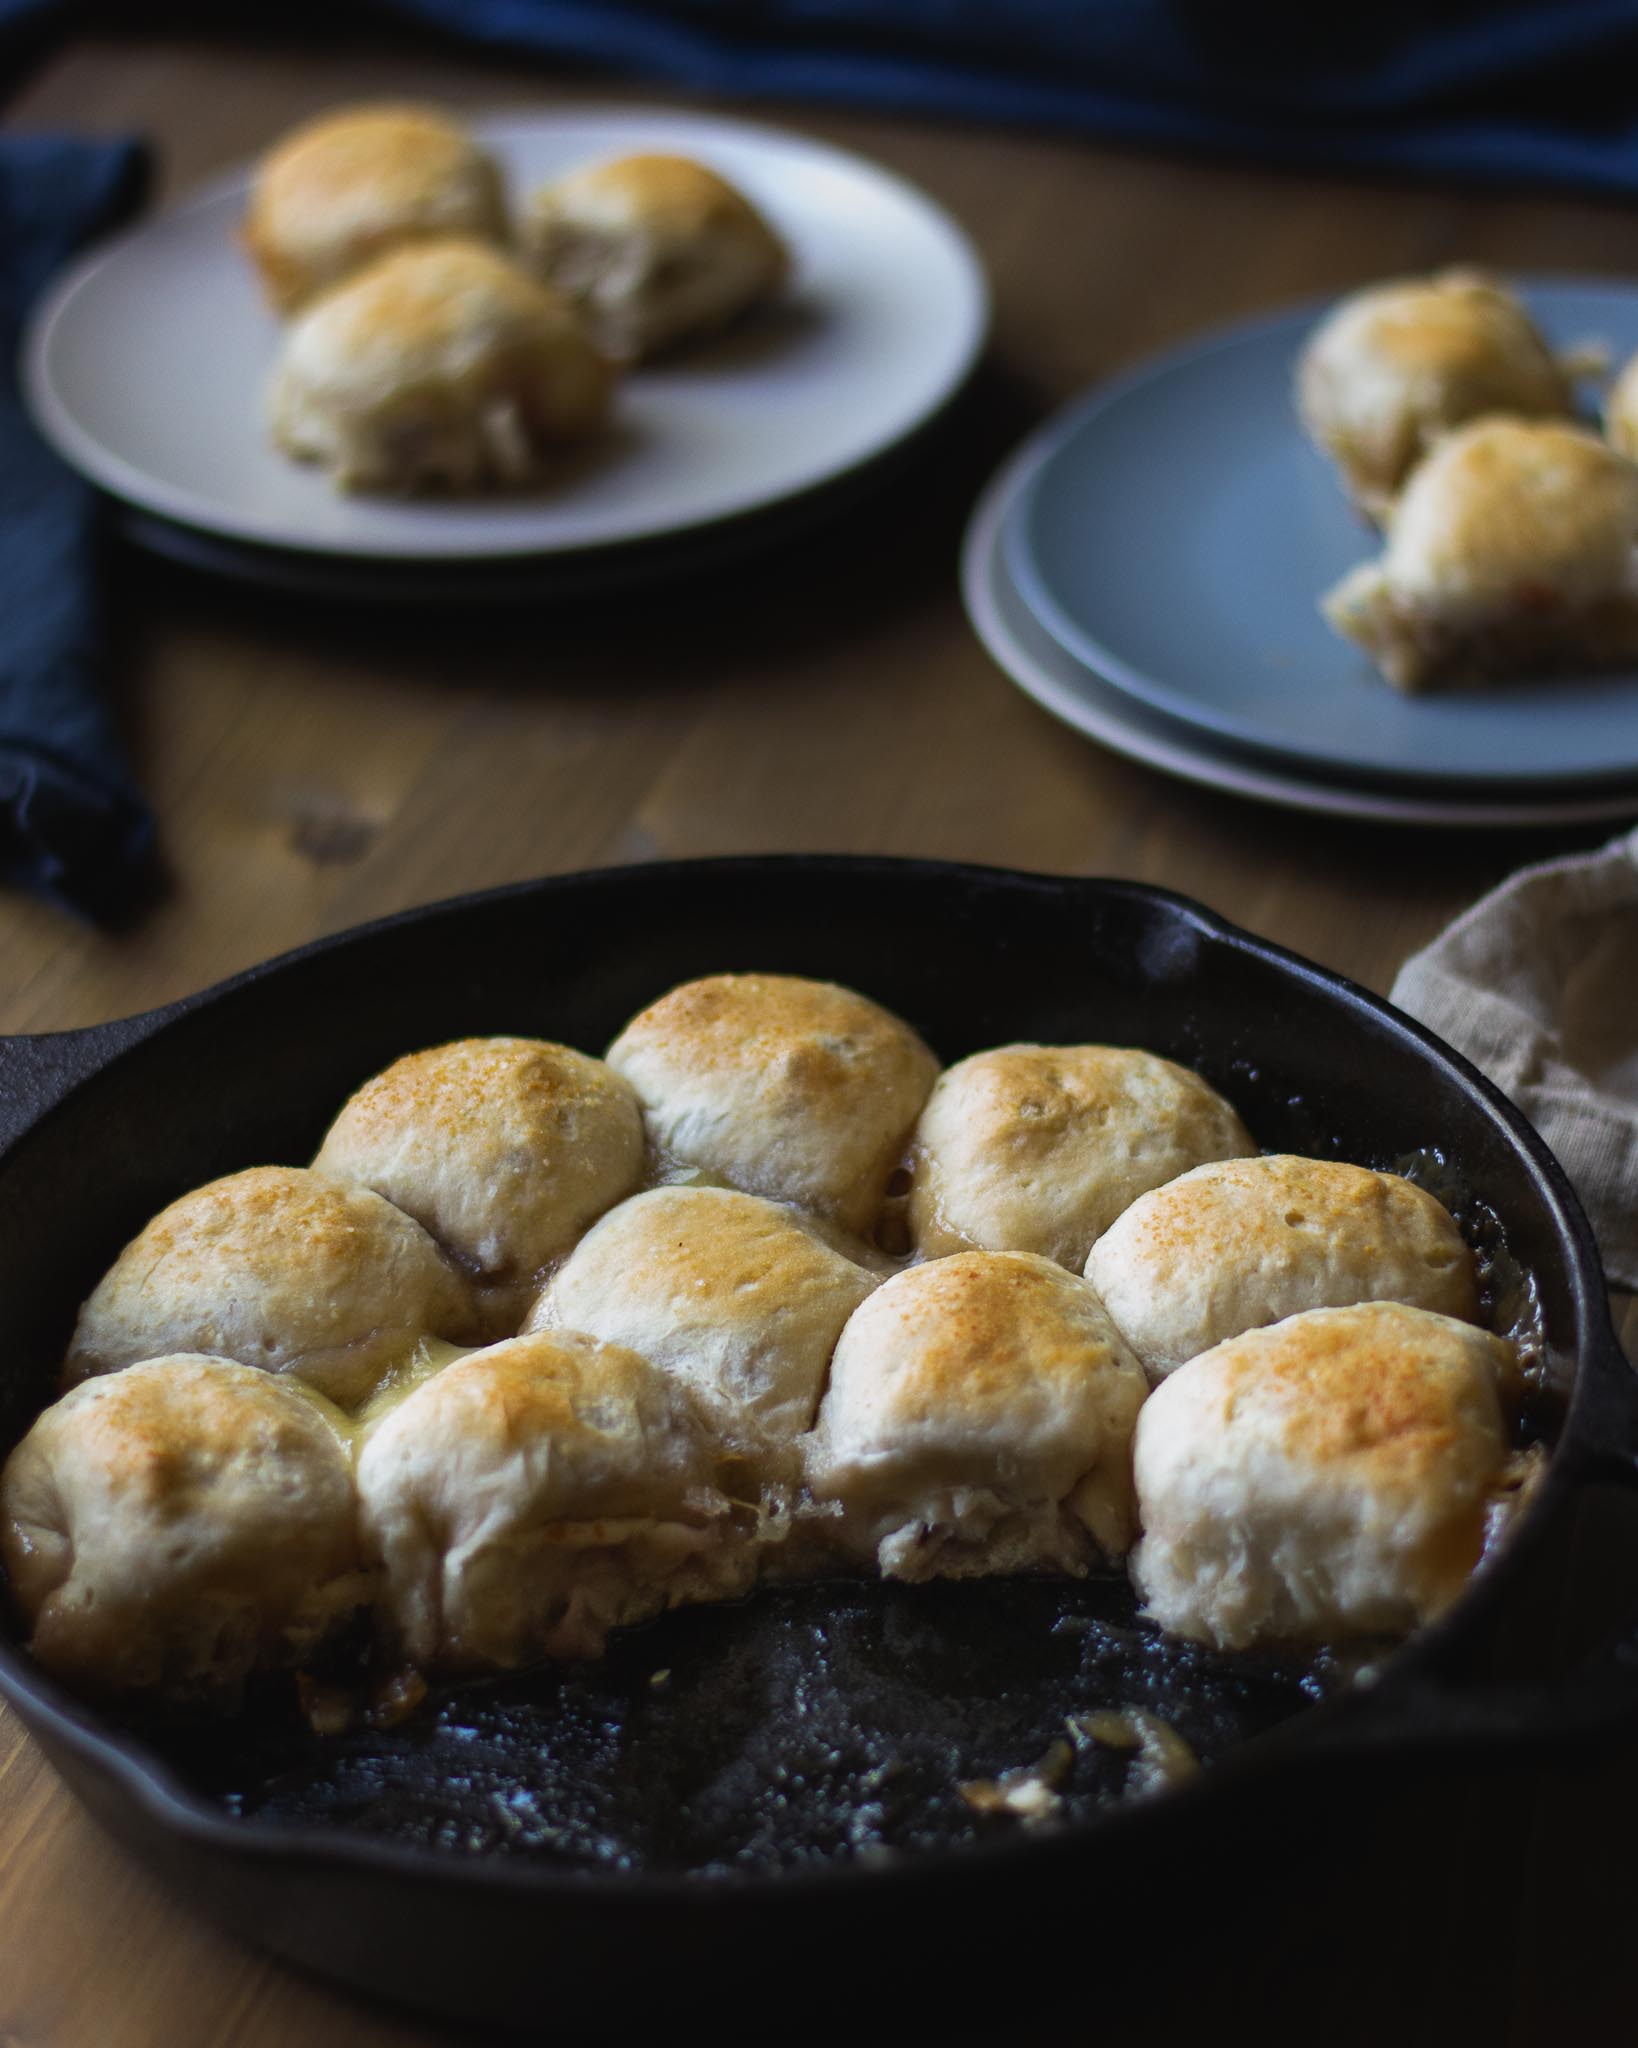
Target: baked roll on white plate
(736, 1298)
(1621, 412)
(281, 1268)
(979, 1419)
(504, 1149)
(1393, 367)
(1511, 550)
(654, 250)
(439, 366)
(1038, 1148)
(797, 1090)
(1239, 1243)
(178, 1526)
(1323, 1478)
(537, 1494)
(345, 188)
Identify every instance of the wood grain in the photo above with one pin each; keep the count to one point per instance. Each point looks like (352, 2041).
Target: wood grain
(314, 765)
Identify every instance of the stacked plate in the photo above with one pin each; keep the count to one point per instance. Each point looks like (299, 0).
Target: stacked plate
(1148, 568)
(147, 366)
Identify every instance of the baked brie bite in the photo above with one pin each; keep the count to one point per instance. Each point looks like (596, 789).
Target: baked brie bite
(504, 1149)
(1393, 367)
(654, 250)
(797, 1090)
(1240, 1243)
(440, 366)
(180, 1525)
(1038, 1148)
(1511, 550)
(1326, 1477)
(531, 1497)
(281, 1268)
(979, 1419)
(345, 188)
(738, 1299)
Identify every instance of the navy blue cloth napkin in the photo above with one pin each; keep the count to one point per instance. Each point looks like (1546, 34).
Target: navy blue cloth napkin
(1514, 91)
(71, 822)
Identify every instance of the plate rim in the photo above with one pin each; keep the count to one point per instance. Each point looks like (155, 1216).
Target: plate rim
(983, 564)
(1165, 701)
(83, 451)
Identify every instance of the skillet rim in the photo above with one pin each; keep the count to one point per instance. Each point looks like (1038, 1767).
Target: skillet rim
(57, 1718)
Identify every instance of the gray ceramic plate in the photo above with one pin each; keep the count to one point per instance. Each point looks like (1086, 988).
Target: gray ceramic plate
(1081, 698)
(1177, 530)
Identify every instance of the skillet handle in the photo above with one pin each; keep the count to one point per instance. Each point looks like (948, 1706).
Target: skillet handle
(37, 1070)
(1597, 1698)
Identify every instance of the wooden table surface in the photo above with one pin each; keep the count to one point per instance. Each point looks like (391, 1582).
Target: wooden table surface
(313, 766)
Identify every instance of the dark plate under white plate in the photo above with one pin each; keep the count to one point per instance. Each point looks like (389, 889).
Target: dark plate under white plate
(1177, 533)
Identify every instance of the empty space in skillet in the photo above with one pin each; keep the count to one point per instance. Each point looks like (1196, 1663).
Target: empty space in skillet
(827, 1720)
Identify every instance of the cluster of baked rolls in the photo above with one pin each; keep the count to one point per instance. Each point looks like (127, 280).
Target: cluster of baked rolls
(541, 1344)
(1510, 528)
(433, 344)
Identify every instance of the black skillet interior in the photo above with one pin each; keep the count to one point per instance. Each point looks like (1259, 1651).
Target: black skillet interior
(822, 1722)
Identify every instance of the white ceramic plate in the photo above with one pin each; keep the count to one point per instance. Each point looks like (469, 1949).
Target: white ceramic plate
(1044, 670)
(146, 365)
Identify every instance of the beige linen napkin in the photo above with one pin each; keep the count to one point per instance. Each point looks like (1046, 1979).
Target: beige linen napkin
(1538, 985)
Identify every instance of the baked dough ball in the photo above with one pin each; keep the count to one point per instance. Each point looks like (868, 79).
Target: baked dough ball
(531, 1497)
(653, 249)
(1391, 369)
(798, 1090)
(281, 1268)
(733, 1296)
(505, 1149)
(347, 187)
(1038, 1148)
(178, 1526)
(1512, 549)
(979, 1419)
(1244, 1242)
(1325, 1477)
(1621, 412)
(438, 367)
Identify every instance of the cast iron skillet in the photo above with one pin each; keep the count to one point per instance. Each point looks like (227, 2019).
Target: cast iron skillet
(700, 1836)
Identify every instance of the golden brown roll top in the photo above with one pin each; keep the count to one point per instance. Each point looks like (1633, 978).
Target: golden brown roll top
(281, 1268)
(533, 1496)
(654, 250)
(1512, 548)
(356, 182)
(439, 366)
(1326, 1477)
(797, 1090)
(178, 1526)
(979, 1419)
(1038, 1148)
(736, 1298)
(1239, 1243)
(1393, 367)
(504, 1149)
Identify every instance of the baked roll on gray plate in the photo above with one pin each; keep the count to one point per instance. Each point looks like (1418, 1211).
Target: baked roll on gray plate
(533, 1496)
(979, 1419)
(440, 367)
(343, 189)
(277, 1267)
(1393, 367)
(1327, 1477)
(654, 250)
(1239, 1243)
(180, 1525)
(504, 1149)
(1513, 549)
(1038, 1148)
(797, 1090)
(738, 1299)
